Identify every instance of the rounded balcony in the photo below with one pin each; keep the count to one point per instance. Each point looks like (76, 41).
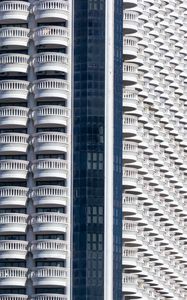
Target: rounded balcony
(11, 11)
(11, 143)
(13, 222)
(51, 35)
(50, 141)
(13, 63)
(49, 222)
(50, 61)
(130, 22)
(14, 89)
(50, 168)
(130, 73)
(130, 177)
(130, 99)
(13, 249)
(48, 297)
(129, 284)
(50, 194)
(13, 297)
(14, 36)
(47, 115)
(129, 230)
(129, 204)
(13, 116)
(53, 10)
(130, 126)
(49, 249)
(130, 151)
(13, 169)
(129, 256)
(49, 276)
(130, 48)
(51, 88)
(13, 276)
(13, 196)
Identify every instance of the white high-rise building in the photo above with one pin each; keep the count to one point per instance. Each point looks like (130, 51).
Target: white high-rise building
(60, 149)
(155, 150)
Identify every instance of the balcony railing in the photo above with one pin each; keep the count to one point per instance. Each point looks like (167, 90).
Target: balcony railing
(51, 35)
(49, 195)
(50, 61)
(55, 88)
(51, 9)
(17, 36)
(14, 89)
(14, 10)
(46, 141)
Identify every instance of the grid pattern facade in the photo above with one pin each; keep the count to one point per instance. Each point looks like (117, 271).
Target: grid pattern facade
(155, 150)
(35, 149)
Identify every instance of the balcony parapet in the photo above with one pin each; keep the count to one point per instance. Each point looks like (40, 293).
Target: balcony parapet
(55, 9)
(14, 36)
(49, 194)
(13, 249)
(49, 222)
(49, 276)
(55, 88)
(13, 276)
(13, 195)
(14, 10)
(47, 168)
(50, 141)
(51, 35)
(14, 89)
(49, 249)
(50, 61)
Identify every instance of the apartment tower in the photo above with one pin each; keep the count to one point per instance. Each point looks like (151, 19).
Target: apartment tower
(60, 149)
(155, 150)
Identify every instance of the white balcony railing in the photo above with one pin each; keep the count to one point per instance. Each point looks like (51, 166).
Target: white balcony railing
(14, 36)
(14, 89)
(56, 168)
(13, 142)
(12, 168)
(13, 195)
(49, 275)
(51, 35)
(48, 297)
(13, 115)
(14, 63)
(13, 222)
(14, 10)
(55, 88)
(57, 9)
(49, 249)
(49, 222)
(50, 114)
(43, 195)
(50, 61)
(12, 276)
(50, 141)
(13, 249)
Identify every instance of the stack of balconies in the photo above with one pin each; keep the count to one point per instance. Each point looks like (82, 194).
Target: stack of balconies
(154, 151)
(34, 149)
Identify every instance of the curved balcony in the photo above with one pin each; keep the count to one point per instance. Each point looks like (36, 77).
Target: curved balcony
(129, 230)
(130, 151)
(51, 88)
(11, 11)
(47, 115)
(13, 276)
(13, 116)
(49, 249)
(50, 61)
(14, 89)
(130, 99)
(51, 35)
(53, 10)
(50, 194)
(129, 256)
(13, 169)
(13, 196)
(14, 36)
(13, 63)
(13, 143)
(129, 204)
(129, 284)
(49, 276)
(48, 297)
(130, 126)
(13, 297)
(130, 48)
(130, 22)
(50, 141)
(129, 73)
(50, 168)
(130, 177)
(49, 222)
(13, 222)
(13, 249)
